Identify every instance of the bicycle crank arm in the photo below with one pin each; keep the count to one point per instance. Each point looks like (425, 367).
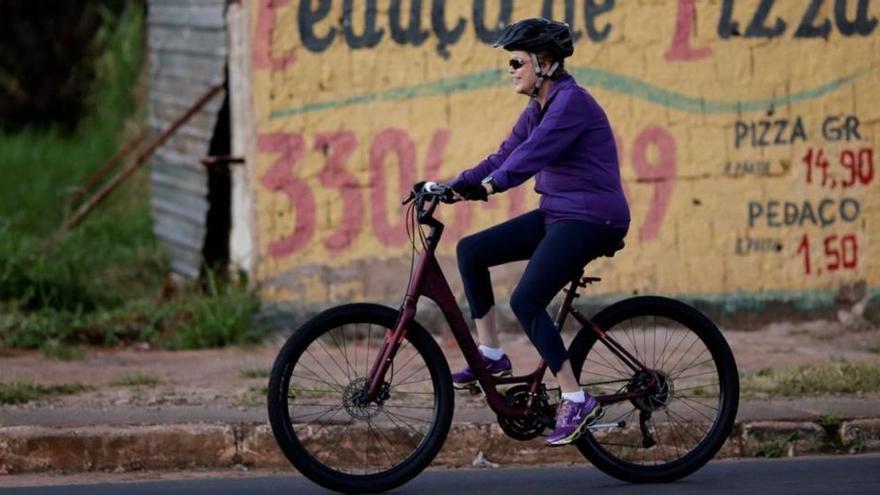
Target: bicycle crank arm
(607, 426)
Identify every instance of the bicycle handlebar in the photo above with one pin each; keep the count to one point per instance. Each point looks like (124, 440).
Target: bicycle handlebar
(430, 193)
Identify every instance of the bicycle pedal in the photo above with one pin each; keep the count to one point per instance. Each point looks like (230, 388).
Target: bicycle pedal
(607, 426)
(475, 389)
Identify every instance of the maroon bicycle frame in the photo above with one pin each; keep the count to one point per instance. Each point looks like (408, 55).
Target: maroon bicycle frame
(428, 281)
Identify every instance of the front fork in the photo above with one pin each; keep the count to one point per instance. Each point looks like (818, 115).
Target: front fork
(393, 339)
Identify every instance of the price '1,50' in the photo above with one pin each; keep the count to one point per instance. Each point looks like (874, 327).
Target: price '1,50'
(840, 252)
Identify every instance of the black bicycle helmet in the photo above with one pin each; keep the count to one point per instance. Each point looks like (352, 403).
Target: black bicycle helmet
(538, 35)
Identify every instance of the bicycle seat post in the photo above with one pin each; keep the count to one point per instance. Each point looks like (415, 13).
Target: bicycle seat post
(570, 295)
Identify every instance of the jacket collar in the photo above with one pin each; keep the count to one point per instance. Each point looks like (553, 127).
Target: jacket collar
(555, 87)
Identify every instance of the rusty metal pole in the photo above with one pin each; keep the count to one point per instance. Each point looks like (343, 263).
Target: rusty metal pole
(129, 169)
(108, 165)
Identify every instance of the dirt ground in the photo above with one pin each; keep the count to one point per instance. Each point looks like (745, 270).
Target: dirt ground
(214, 376)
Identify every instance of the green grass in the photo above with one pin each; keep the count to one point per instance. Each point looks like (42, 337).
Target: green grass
(101, 284)
(834, 378)
(254, 397)
(136, 380)
(53, 349)
(254, 372)
(22, 392)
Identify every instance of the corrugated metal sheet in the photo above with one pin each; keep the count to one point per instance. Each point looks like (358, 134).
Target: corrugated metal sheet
(187, 54)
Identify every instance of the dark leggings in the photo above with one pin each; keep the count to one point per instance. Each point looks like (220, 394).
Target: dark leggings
(556, 253)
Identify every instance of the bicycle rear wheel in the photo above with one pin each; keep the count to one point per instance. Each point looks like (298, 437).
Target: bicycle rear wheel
(673, 430)
(337, 440)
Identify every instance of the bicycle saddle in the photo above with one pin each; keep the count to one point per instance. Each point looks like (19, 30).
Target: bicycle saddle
(610, 252)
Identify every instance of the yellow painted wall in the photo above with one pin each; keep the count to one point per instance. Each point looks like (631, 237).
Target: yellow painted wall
(748, 139)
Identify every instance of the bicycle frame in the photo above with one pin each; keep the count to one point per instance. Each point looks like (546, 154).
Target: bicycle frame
(429, 281)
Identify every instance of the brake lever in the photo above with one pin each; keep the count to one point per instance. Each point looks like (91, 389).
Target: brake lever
(416, 190)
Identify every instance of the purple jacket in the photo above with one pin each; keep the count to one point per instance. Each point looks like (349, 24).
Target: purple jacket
(570, 150)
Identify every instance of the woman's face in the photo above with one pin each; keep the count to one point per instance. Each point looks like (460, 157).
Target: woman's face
(521, 71)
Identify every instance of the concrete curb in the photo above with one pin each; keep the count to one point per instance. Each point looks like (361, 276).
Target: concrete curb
(30, 449)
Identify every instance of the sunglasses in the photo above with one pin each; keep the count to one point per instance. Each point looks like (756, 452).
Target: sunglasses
(515, 63)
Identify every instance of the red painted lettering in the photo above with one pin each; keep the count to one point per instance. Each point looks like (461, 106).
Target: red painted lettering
(338, 147)
(262, 51)
(661, 174)
(390, 141)
(279, 177)
(684, 26)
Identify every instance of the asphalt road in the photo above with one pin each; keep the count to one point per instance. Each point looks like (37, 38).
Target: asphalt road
(820, 475)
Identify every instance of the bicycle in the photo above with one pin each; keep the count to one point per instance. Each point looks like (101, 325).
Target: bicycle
(371, 381)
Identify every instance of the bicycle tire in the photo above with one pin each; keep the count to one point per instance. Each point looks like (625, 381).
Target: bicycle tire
(605, 449)
(293, 438)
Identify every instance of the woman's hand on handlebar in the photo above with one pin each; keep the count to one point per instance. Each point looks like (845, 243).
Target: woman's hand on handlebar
(425, 188)
(471, 192)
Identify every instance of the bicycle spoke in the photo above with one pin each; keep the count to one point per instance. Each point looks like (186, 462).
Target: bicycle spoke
(330, 355)
(684, 336)
(320, 413)
(609, 382)
(710, 372)
(380, 434)
(597, 363)
(611, 365)
(404, 380)
(337, 386)
(404, 416)
(660, 443)
(404, 365)
(654, 346)
(694, 401)
(309, 352)
(683, 427)
(391, 417)
(345, 352)
(693, 387)
(665, 346)
(692, 363)
(369, 346)
(686, 352)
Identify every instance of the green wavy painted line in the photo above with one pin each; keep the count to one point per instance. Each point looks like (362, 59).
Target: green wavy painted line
(589, 77)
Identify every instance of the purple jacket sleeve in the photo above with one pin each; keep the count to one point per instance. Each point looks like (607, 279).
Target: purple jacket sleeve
(482, 170)
(561, 125)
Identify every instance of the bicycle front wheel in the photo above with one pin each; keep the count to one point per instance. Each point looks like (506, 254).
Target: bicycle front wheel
(677, 426)
(332, 436)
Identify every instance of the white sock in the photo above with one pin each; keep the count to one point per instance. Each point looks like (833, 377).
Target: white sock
(575, 396)
(493, 353)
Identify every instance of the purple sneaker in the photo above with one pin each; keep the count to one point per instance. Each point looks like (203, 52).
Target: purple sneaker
(465, 378)
(573, 419)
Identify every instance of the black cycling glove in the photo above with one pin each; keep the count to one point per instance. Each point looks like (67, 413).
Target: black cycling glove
(471, 192)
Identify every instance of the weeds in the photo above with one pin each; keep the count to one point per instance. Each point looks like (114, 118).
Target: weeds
(136, 380)
(190, 320)
(63, 352)
(830, 378)
(254, 372)
(254, 397)
(831, 442)
(775, 448)
(22, 392)
(771, 450)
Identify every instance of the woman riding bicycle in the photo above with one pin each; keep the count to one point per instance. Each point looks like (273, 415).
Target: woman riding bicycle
(563, 138)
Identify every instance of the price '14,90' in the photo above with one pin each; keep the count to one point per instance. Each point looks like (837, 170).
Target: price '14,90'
(857, 165)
